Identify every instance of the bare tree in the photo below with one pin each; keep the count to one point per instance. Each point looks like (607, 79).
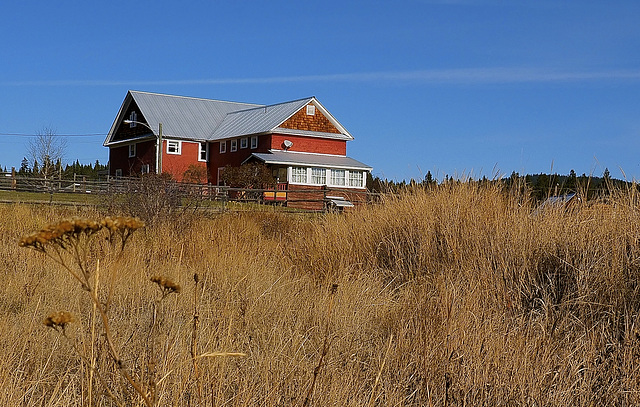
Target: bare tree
(47, 148)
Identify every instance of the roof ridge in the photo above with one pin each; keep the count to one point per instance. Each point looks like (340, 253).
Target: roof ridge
(272, 105)
(257, 106)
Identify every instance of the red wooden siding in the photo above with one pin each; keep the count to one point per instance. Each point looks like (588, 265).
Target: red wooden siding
(309, 144)
(145, 154)
(175, 164)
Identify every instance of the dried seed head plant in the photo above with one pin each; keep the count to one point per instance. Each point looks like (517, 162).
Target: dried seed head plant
(166, 285)
(58, 320)
(68, 243)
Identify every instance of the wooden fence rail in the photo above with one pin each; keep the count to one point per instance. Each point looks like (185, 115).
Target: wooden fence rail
(54, 187)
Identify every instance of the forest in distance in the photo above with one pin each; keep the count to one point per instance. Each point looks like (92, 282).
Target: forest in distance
(540, 186)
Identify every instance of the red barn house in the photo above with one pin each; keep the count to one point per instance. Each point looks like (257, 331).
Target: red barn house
(303, 144)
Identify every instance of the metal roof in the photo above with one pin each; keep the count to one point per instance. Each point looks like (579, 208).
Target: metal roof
(309, 159)
(184, 117)
(267, 118)
(205, 119)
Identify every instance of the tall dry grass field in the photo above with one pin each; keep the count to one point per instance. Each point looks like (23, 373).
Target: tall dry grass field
(462, 295)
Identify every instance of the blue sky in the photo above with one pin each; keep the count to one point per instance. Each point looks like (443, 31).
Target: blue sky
(457, 87)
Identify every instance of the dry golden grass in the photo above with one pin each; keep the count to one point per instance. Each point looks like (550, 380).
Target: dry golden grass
(462, 295)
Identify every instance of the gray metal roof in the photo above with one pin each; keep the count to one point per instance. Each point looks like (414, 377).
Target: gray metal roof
(308, 160)
(205, 119)
(267, 118)
(184, 117)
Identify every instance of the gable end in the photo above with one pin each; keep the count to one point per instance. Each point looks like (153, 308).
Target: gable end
(310, 119)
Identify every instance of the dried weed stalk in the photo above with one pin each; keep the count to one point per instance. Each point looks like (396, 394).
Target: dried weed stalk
(69, 243)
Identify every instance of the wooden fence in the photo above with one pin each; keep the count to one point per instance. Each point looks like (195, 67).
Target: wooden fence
(53, 188)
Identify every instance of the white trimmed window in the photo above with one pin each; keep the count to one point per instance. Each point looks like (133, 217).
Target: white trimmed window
(133, 118)
(338, 177)
(244, 142)
(118, 172)
(223, 147)
(132, 150)
(318, 176)
(144, 169)
(234, 145)
(254, 142)
(355, 179)
(311, 110)
(203, 154)
(299, 175)
(174, 147)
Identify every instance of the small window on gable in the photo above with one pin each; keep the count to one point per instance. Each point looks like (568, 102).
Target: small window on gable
(132, 150)
(244, 142)
(204, 152)
(311, 110)
(254, 142)
(133, 117)
(234, 145)
(223, 147)
(174, 147)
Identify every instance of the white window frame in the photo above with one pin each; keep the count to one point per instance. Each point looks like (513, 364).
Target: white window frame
(132, 150)
(311, 110)
(223, 147)
(333, 179)
(254, 142)
(234, 145)
(205, 151)
(133, 119)
(144, 168)
(244, 142)
(297, 174)
(359, 177)
(118, 172)
(318, 176)
(175, 143)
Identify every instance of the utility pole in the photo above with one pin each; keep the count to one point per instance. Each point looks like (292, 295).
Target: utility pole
(159, 158)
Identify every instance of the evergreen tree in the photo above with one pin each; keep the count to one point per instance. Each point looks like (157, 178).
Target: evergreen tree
(428, 179)
(24, 167)
(571, 183)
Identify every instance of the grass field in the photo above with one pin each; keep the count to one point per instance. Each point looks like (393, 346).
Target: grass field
(461, 295)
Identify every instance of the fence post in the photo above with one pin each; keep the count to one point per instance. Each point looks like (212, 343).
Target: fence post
(13, 178)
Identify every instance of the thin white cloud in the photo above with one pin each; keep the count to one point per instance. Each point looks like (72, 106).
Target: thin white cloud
(467, 76)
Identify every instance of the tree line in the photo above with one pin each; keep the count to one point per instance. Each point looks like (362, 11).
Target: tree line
(539, 186)
(58, 170)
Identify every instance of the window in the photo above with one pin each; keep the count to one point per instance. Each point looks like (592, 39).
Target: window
(311, 110)
(355, 179)
(234, 145)
(299, 175)
(174, 147)
(318, 176)
(119, 172)
(254, 142)
(337, 177)
(133, 117)
(223, 147)
(144, 169)
(244, 142)
(204, 152)
(132, 150)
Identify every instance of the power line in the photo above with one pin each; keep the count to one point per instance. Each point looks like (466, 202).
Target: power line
(56, 135)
